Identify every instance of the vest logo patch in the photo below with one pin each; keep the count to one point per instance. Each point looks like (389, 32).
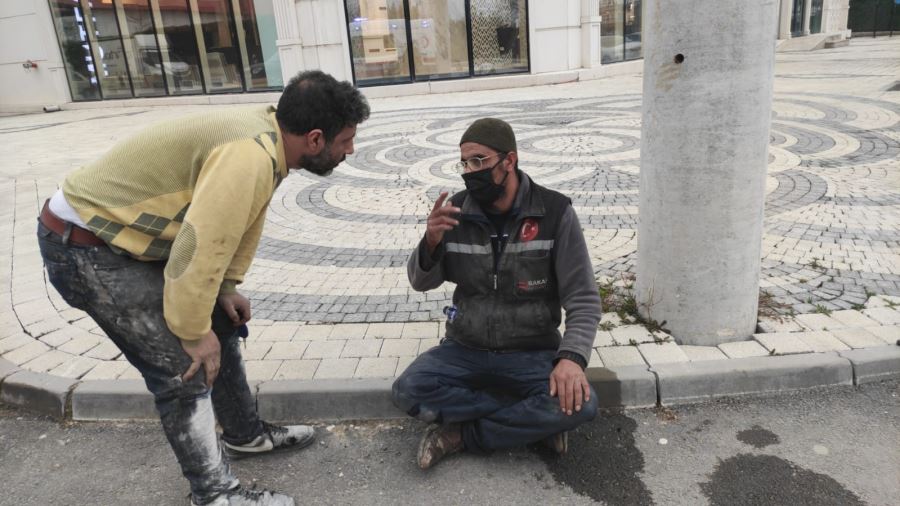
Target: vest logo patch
(529, 230)
(531, 284)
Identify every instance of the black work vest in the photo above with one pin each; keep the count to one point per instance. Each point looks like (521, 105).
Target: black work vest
(514, 306)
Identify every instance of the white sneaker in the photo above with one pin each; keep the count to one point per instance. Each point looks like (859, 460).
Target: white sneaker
(240, 496)
(273, 438)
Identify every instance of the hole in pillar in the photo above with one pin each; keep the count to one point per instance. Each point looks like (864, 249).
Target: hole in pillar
(679, 58)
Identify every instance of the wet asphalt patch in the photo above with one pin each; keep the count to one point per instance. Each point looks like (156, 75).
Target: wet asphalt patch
(751, 480)
(758, 437)
(603, 462)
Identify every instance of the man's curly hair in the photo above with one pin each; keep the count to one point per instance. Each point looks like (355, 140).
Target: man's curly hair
(314, 99)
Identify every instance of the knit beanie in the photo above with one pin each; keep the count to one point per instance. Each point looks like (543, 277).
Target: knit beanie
(491, 132)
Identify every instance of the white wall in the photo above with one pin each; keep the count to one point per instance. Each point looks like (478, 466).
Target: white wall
(834, 16)
(555, 33)
(26, 33)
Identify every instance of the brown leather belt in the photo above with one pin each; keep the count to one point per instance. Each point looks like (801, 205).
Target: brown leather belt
(76, 234)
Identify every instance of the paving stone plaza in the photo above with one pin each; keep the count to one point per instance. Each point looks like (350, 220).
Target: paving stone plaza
(329, 288)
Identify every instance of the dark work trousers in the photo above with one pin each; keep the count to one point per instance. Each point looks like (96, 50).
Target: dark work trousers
(125, 297)
(501, 400)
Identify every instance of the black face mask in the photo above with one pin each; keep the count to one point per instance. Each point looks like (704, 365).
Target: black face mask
(482, 187)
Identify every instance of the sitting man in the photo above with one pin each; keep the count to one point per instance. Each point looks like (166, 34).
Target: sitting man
(151, 240)
(516, 253)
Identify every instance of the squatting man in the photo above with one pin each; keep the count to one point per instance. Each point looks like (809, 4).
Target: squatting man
(503, 376)
(151, 240)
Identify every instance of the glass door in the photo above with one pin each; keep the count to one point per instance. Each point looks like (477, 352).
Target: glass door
(797, 18)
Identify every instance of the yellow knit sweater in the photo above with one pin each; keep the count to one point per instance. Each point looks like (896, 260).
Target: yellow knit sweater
(193, 192)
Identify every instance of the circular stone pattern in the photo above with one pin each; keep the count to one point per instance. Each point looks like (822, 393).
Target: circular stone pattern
(335, 249)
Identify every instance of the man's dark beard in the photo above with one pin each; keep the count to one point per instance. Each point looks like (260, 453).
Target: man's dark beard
(321, 164)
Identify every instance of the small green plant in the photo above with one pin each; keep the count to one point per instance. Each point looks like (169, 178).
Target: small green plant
(621, 300)
(868, 293)
(814, 264)
(891, 304)
(606, 326)
(858, 307)
(822, 310)
(769, 307)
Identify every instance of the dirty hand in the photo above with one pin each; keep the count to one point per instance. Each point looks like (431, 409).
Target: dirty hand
(236, 306)
(203, 352)
(439, 221)
(568, 382)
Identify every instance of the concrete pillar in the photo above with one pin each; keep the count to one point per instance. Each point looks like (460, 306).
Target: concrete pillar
(590, 33)
(807, 12)
(784, 20)
(707, 102)
(290, 47)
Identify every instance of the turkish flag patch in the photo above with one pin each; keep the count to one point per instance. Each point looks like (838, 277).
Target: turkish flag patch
(529, 230)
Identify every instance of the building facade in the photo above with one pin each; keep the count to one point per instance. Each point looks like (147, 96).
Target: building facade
(68, 51)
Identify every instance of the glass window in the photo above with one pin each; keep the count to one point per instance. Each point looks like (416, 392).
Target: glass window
(633, 30)
(68, 18)
(378, 41)
(103, 33)
(139, 41)
(815, 16)
(499, 36)
(178, 46)
(219, 56)
(612, 31)
(438, 30)
(258, 20)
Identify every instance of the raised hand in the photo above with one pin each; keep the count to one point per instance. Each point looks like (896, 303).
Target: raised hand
(439, 221)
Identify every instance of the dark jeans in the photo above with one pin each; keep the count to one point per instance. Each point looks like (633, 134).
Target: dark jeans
(125, 297)
(501, 400)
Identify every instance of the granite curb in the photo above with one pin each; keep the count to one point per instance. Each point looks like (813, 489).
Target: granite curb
(616, 387)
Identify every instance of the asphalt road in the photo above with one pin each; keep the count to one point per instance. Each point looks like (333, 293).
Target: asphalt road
(837, 446)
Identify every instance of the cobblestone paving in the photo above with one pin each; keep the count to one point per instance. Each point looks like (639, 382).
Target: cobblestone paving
(334, 250)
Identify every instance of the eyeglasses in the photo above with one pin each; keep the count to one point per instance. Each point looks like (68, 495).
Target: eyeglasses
(476, 163)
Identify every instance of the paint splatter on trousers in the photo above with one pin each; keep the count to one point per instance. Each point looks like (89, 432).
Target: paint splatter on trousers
(125, 297)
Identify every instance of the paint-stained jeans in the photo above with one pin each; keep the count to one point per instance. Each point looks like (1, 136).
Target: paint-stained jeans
(125, 297)
(501, 400)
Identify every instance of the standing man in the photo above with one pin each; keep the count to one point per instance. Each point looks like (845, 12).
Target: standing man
(516, 253)
(152, 239)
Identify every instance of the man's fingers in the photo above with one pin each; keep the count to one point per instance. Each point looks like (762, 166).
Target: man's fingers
(567, 392)
(244, 313)
(212, 370)
(439, 202)
(552, 386)
(446, 211)
(443, 221)
(587, 389)
(577, 392)
(232, 313)
(192, 370)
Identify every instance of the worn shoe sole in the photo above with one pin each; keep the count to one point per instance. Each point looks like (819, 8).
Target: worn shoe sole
(236, 454)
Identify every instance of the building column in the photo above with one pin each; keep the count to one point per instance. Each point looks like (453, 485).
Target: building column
(290, 46)
(590, 33)
(807, 12)
(707, 102)
(784, 20)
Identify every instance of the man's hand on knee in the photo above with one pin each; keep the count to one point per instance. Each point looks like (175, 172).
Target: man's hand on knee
(568, 382)
(204, 352)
